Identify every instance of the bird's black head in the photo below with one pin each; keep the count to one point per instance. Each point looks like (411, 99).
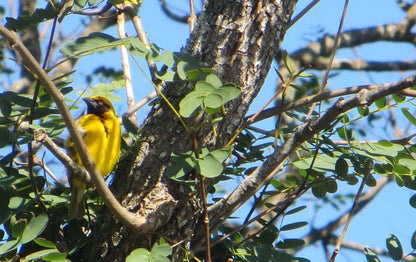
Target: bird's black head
(97, 105)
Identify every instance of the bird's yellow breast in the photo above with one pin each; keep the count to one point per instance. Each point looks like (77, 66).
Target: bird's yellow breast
(102, 136)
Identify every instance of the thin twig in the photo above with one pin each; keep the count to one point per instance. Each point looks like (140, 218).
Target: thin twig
(192, 16)
(32, 108)
(206, 218)
(204, 201)
(331, 60)
(141, 33)
(94, 12)
(303, 12)
(308, 100)
(140, 104)
(172, 15)
(369, 167)
(41, 137)
(126, 66)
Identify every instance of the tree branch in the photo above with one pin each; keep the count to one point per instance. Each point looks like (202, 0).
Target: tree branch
(315, 54)
(172, 15)
(227, 205)
(73, 167)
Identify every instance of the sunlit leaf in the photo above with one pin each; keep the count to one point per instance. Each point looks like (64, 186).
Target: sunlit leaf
(409, 116)
(95, 42)
(35, 226)
(381, 103)
(214, 80)
(213, 101)
(371, 255)
(139, 254)
(209, 166)
(190, 103)
(44, 243)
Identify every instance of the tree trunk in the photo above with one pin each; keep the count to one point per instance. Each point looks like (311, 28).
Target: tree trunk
(239, 40)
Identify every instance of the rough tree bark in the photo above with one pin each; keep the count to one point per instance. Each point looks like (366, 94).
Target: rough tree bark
(238, 39)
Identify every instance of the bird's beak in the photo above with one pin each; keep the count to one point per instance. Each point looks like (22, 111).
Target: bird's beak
(91, 103)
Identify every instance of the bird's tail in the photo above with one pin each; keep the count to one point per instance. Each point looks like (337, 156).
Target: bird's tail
(76, 206)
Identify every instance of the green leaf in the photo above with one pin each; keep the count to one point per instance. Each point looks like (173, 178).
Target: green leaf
(344, 133)
(34, 228)
(8, 246)
(44, 243)
(209, 166)
(331, 185)
(182, 68)
(95, 42)
(18, 228)
(371, 181)
(168, 76)
(319, 190)
(409, 163)
(204, 86)
(47, 255)
(341, 167)
(116, 2)
(190, 103)
(137, 47)
(5, 107)
(322, 163)
(394, 247)
(269, 235)
(228, 92)
(398, 98)
(381, 103)
(213, 80)
(17, 99)
(287, 61)
(293, 226)
(16, 202)
(167, 58)
(371, 255)
(5, 136)
(412, 201)
(351, 179)
(183, 164)
(221, 154)
(413, 240)
(401, 169)
(213, 101)
(139, 254)
(399, 180)
(295, 210)
(409, 116)
(160, 253)
(383, 147)
(364, 111)
(290, 243)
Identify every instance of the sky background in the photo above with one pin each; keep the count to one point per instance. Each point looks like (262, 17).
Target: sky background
(390, 212)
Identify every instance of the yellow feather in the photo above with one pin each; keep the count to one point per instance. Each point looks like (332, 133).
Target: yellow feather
(102, 136)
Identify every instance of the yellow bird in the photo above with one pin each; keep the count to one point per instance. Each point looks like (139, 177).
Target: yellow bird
(102, 135)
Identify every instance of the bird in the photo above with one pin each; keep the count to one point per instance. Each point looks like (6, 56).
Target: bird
(101, 133)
